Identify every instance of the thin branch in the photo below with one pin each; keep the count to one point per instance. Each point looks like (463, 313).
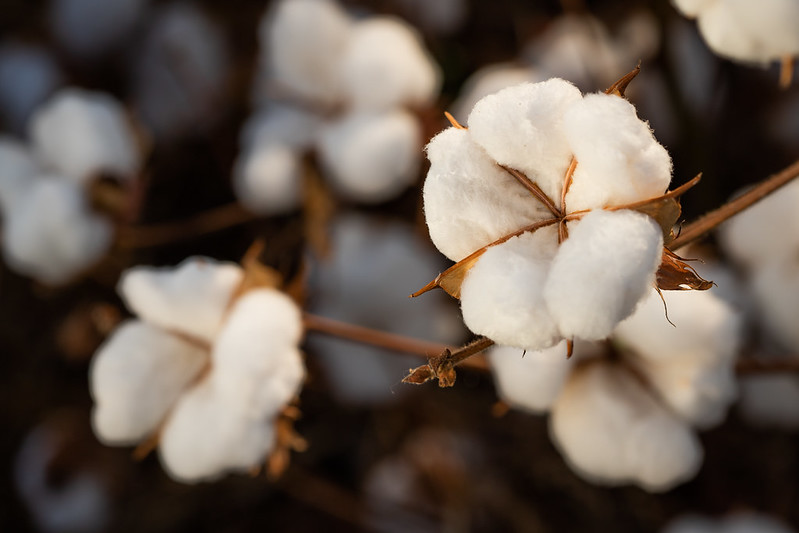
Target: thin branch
(442, 367)
(753, 366)
(535, 190)
(709, 221)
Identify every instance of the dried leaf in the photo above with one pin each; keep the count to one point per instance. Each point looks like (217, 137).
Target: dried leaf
(452, 278)
(446, 375)
(674, 274)
(419, 375)
(620, 86)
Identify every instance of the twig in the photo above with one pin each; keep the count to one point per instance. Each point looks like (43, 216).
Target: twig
(442, 367)
(753, 366)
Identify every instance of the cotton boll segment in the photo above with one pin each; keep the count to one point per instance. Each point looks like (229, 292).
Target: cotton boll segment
(136, 376)
(371, 157)
(385, 65)
(267, 179)
(281, 124)
(501, 296)
(611, 431)
(304, 41)
(469, 201)
(489, 80)
(83, 134)
(202, 439)
(532, 380)
(618, 159)
(522, 127)
(601, 272)
(191, 298)
(28, 75)
(18, 169)
(50, 234)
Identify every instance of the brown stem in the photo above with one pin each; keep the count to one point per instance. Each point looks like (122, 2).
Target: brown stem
(442, 367)
(534, 189)
(753, 366)
(567, 183)
(215, 219)
(709, 221)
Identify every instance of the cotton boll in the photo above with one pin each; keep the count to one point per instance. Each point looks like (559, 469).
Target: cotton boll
(601, 272)
(502, 298)
(136, 376)
(775, 287)
(770, 401)
(532, 380)
(267, 179)
(611, 431)
(190, 299)
(202, 439)
(618, 159)
(522, 127)
(469, 201)
(489, 80)
(692, 8)
(370, 157)
(28, 75)
(50, 234)
(691, 365)
(281, 124)
(304, 41)
(83, 134)
(257, 365)
(385, 65)
(17, 171)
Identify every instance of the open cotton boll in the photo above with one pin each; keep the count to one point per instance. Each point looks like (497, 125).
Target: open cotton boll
(691, 365)
(371, 157)
(267, 179)
(385, 65)
(49, 232)
(522, 127)
(281, 124)
(489, 80)
(18, 169)
(304, 41)
(618, 159)
(502, 298)
(469, 201)
(602, 271)
(83, 134)
(532, 380)
(770, 400)
(191, 298)
(256, 361)
(135, 378)
(203, 439)
(28, 75)
(613, 432)
(692, 8)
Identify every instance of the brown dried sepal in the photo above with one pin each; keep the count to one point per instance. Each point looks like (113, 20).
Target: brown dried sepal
(287, 440)
(674, 274)
(452, 278)
(620, 86)
(419, 375)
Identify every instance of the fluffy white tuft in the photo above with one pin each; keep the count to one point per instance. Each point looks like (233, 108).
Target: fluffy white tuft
(489, 80)
(267, 179)
(281, 124)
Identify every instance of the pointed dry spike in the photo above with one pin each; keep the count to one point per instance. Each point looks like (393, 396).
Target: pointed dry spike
(569, 348)
(454, 122)
(567, 183)
(786, 71)
(620, 86)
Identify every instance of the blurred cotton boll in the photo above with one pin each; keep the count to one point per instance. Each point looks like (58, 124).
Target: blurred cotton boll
(442, 17)
(739, 522)
(28, 75)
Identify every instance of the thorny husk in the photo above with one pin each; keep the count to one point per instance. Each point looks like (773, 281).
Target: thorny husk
(442, 367)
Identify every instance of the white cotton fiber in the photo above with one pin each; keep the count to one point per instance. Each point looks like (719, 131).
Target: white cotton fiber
(613, 432)
(304, 41)
(618, 159)
(28, 75)
(267, 179)
(371, 157)
(202, 439)
(385, 65)
(83, 134)
(469, 201)
(770, 400)
(532, 380)
(18, 169)
(190, 299)
(691, 366)
(281, 124)
(522, 127)
(136, 376)
(489, 80)
(692, 8)
(49, 232)
(257, 366)
(502, 298)
(601, 272)
(89, 28)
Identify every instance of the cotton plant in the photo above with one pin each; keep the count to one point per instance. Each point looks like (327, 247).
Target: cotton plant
(206, 370)
(50, 188)
(758, 33)
(342, 90)
(628, 412)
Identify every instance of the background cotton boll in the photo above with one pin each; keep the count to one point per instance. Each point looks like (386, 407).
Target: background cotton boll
(385, 65)
(692, 8)
(17, 172)
(371, 157)
(770, 400)
(267, 179)
(489, 80)
(303, 41)
(776, 289)
(83, 134)
(521, 127)
(203, 439)
(531, 381)
(440, 17)
(618, 159)
(502, 298)
(601, 272)
(90, 28)
(50, 234)
(613, 432)
(191, 298)
(283, 124)
(180, 71)
(136, 376)
(28, 75)
(469, 201)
